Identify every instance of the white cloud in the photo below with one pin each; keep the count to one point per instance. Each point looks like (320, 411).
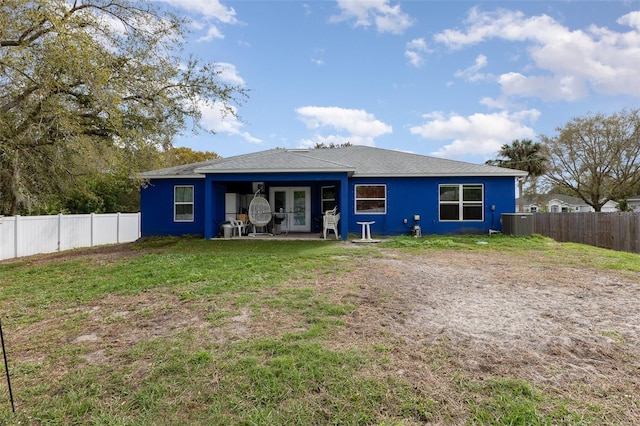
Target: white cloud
(499, 103)
(568, 63)
(307, 9)
(385, 18)
(504, 24)
(631, 19)
(557, 87)
(478, 135)
(215, 118)
(415, 51)
(317, 58)
(212, 32)
(347, 125)
(229, 73)
(473, 73)
(209, 11)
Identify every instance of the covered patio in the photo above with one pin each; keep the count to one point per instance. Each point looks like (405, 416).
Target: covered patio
(274, 205)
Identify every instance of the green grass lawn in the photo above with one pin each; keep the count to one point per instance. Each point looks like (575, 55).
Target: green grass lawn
(188, 331)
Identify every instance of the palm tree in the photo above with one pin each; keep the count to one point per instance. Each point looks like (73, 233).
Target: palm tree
(523, 155)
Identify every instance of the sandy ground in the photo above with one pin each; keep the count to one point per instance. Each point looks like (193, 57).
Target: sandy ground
(512, 313)
(571, 331)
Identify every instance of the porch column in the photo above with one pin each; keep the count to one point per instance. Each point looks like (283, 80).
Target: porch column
(345, 207)
(208, 209)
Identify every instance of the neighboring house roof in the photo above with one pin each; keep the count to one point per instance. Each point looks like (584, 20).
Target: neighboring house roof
(634, 203)
(357, 160)
(546, 198)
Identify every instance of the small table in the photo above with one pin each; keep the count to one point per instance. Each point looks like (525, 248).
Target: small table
(366, 230)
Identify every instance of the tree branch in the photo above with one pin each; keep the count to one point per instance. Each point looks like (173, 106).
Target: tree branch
(19, 99)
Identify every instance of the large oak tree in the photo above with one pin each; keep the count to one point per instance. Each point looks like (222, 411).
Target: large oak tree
(92, 86)
(597, 157)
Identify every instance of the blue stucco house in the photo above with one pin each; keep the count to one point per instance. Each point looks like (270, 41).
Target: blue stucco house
(395, 190)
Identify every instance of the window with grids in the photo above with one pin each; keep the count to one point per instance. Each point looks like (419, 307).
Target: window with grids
(371, 199)
(461, 202)
(183, 203)
(328, 198)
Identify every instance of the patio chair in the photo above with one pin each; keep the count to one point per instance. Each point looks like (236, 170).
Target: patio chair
(238, 226)
(330, 222)
(259, 213)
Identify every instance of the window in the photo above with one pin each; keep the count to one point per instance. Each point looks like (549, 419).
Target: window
(328, 198)
(461, 202)
(183, 203)
(371, 199)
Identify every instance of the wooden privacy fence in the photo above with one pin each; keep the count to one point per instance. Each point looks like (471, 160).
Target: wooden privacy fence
(616, 231)
(27, 235)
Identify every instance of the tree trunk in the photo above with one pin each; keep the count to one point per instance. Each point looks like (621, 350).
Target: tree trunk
(14, 177)
(521, 195)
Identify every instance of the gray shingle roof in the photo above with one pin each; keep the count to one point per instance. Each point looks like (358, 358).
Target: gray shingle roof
(361, 161)
(275, 160)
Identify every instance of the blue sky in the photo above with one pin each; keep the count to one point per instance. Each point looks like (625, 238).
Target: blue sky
(451, 79)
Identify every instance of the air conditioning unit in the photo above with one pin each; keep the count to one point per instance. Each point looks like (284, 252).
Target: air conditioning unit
(517, 223)
(257, 186)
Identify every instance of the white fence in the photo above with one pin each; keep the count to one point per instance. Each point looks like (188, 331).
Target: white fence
(27, 235)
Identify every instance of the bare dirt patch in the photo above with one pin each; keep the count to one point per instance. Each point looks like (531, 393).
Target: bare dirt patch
(100, 254)
(572, 330)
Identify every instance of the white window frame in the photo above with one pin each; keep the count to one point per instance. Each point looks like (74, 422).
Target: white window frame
(461, 203)
(184, 203)
(327, 200)
(356, 199)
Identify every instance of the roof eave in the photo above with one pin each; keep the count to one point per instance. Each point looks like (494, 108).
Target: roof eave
(350, 173)
(431, 175)
(190, 176)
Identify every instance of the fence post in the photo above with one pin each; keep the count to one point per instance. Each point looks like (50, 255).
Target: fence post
(118, 228)
(92, 218)
(59, 231)
(16, 235)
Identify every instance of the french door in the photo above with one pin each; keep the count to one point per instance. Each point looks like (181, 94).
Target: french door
(295, 201)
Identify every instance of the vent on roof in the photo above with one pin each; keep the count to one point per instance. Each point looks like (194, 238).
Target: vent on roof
(298, 150)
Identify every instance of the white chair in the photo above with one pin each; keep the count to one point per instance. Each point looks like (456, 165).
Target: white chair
(330, 222)
(238, 226)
